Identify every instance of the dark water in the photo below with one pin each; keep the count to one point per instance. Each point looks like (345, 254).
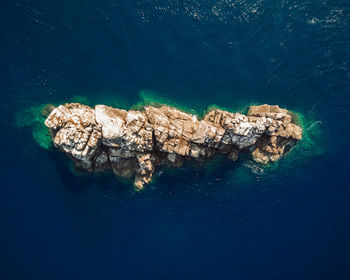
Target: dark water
(222, 221)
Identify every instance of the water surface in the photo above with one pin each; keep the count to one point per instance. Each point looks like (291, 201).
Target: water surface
(224, 220)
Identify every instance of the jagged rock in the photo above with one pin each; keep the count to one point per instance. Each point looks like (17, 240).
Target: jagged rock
(133, 143)
(76, 132)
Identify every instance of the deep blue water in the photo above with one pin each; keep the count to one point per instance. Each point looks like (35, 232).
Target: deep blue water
(222, 221)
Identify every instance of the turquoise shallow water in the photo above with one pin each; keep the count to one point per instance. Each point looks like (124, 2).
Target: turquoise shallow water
(222, 220)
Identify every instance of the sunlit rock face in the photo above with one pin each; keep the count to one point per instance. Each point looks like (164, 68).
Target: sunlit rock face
(132, 143)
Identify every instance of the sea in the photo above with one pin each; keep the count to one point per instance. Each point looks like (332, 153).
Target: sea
(216, 220)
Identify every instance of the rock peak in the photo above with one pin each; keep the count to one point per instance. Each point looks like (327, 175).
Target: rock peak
(133, 143)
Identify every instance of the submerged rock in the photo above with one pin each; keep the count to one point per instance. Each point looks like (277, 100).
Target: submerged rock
(46, 110)
(133, 143)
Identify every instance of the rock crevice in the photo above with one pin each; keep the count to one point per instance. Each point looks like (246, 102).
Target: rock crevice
(133, 143)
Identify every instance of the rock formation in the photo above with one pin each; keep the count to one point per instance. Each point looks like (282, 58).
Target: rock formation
(132, 142)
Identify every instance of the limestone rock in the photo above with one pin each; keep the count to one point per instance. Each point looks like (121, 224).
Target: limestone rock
(133, 143)
(76, 132)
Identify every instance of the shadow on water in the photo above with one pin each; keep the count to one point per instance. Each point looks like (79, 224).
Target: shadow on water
(77, 182)
(194, 176)
(191, 177)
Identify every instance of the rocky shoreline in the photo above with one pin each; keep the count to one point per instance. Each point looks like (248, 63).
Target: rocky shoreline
(132, 143)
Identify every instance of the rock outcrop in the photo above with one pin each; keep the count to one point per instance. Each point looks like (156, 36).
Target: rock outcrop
(132, 143)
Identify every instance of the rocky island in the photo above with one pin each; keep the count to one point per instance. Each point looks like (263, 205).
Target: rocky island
(132, 143)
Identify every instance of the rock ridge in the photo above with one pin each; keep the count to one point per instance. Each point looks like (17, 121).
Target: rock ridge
(132, 143)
